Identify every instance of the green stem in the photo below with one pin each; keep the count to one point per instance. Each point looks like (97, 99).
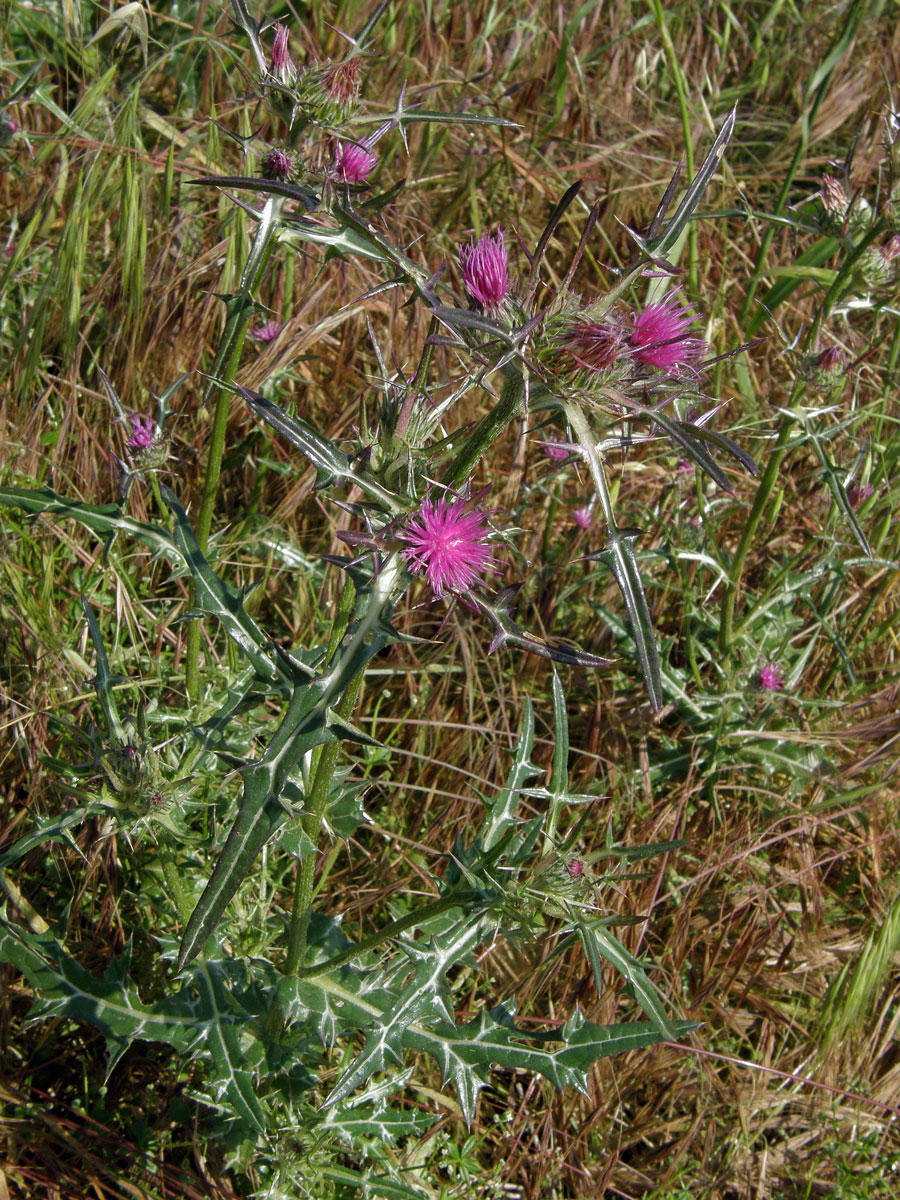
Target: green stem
(323, 762)
(510, 405)
(425, 913)
(174, 883)
(224, 369)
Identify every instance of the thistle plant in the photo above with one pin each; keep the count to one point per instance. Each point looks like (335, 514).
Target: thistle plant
(306, 1039)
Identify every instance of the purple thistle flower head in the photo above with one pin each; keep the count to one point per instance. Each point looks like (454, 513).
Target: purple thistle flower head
(593, 345)
(141, 432)
(485, 269)
(354, 163)
(277, 164)
(770, 678)
(267, 332)
(575, 867)
(659, 336)
(858, 493)
(447, 544)
(281, 58)
(556, 451)
(583, 517)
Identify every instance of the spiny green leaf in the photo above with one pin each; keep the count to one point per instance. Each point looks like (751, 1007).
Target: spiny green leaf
(619, 556)
(106, 520)
(600, 944)
(212, 595)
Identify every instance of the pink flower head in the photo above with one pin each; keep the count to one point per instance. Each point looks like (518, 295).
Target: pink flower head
(596, 347)
(658, 336)
(266, 333)
(770, 678)
(575, 867)
(277, 164)
(485, 269)
(582, 517)
(354, 163)
(858, 493)
(281, 59)
(141, 432)
(556, 451)
(447, 543)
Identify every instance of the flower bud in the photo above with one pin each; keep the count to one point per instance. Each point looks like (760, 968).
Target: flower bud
(891, 209)
(824, 371)
(277, 164)
(877, 264)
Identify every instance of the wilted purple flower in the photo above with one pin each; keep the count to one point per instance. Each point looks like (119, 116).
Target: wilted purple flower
(281, 59)
(447, 543)
(267, 332)
(582, 517)
(485, 269)
(341, 80)
(658, 336)
(858, 493)
(834, 196)
(141, 432)
(593, 345)
(277, 164)
(770, 678)
(354, 163)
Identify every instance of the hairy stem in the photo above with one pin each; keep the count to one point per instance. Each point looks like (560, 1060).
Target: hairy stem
(323, 762)
(510, 405)
(223, 371)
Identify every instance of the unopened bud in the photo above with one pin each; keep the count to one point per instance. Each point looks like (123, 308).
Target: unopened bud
(840, 213)
(277, 164)
(877, 264)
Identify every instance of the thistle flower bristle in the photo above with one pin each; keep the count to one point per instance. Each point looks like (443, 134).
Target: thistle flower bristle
(141, 437)
(277, 164)
(596, 346)
(281, 57)
(770, 678)
(446, 543)
(485, 269)
(353, 162)
(341, 80)
(659, 336)
(267, 332)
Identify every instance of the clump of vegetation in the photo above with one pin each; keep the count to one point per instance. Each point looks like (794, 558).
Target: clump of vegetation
(449, 603)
